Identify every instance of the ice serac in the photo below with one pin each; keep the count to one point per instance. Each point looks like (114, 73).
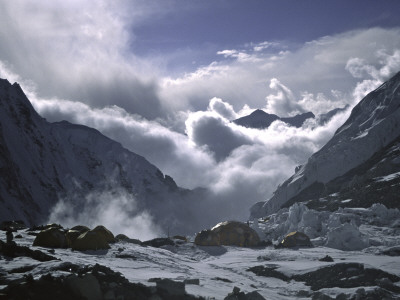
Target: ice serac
(41, 162)
(373, 124)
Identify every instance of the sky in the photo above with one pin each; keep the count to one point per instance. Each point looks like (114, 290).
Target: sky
(166, 77)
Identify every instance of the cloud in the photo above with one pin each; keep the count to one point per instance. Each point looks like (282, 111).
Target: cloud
(316, 68)
(372, 76)
(104, 208)
(79, 51)
(213, 132)
(284, 102)
(224, 109)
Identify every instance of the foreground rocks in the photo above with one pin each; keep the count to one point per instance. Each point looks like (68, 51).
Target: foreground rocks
(91, 283)
(238, 295)
(340, 275)
(13, 250)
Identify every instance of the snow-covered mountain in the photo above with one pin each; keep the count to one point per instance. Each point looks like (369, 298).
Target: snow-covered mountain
(43, 162)
(347, 161)
(261, 119)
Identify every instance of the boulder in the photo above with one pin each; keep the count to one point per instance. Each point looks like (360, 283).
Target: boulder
(107, 234)
(233, 233)
(206, 238)
(158, 242)
(295, 239)
(122, 237)
(171, 288)
(238, 295)
(86, 287)
(51, 238)
(90, 240)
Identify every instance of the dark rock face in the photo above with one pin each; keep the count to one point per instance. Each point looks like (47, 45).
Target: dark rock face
(43, 162)
(326, 258)
(159, 242)
(260, 119)
(345, 275)
(342, 275)
(238, 295)
(268, 271)
(13, 250)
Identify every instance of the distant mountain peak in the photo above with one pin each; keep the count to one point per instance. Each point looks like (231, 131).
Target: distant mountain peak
(260, 119)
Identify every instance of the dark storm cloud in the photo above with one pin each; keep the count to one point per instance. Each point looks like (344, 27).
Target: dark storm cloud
(78, 51)
(212, 132)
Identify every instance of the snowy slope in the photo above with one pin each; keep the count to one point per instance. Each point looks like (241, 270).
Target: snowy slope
(41, 162)
(373, 124)
(273, 273)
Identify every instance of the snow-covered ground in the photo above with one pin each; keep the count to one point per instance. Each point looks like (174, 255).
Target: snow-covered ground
(219, 269)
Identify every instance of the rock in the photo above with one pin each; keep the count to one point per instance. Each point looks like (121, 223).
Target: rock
(327, 258)
(9, 236)
(90, 240)
(52, 237)
(206, 238)
(344, 275)
(192, 281)
(254, 296)
(124, 238)
(121, 237)
(171, 287)
(13, 250)
(238, 295)
(107, 234)
(295, 239)
(159, 242)
(269, 271)
(86, 286)
(392, 251)
(233, 233)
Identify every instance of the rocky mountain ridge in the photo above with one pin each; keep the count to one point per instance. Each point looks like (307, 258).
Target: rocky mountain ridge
(41, 162)
(260, 119)
(372, 126)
